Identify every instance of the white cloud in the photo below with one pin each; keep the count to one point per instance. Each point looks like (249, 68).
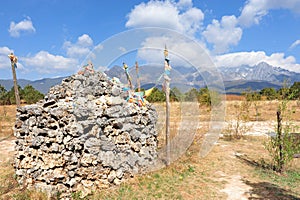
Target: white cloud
(255, 10)
(81, 48)
(102, 68)
(93, 53)
(293, 5)
(99, 47)
(45, 62)
(255, 57)
(180, 16)
(184, 4)
(4, 60)
(167, 14)
(191, 20)
(23, 26)
(223, 34)
(228, 31)
(85, 41)
(123, 49)
(183, 52)
(296, 43)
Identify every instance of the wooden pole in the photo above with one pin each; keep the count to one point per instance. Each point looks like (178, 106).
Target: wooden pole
(128, 76)
(280, 140)
(13, 60)
(137, 76)
(167, 92)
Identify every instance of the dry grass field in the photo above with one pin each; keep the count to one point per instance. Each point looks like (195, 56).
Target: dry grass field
(7, 117)
(234, 169)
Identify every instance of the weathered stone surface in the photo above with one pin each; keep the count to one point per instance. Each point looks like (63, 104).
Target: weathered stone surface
(83, 136)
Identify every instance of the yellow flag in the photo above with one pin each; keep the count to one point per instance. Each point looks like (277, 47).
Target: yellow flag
(148, 92)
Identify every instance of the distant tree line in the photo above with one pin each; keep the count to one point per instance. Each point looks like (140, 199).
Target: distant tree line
(288, 93)
(203, 96)
(207, 97)
(28, 95)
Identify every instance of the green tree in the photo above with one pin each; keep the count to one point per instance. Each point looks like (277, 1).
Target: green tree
(191, 95)
(295, 89)
(175, 94)
(252, 98)
(284, 92)
(251, 95)
(3, 93)
(237, 127)
(10, 96)
(31, 95)
(204, 96)
(156, 96)
(283, 146)
(269, 93)
(208, 97)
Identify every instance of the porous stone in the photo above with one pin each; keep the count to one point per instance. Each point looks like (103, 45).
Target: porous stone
(83, 136)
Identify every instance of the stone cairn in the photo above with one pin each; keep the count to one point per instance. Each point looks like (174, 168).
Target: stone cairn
(83, 136)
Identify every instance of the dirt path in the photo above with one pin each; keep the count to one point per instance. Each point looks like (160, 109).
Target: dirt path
(232, 173)
(236, 189)
(238, 174)
(6, 149)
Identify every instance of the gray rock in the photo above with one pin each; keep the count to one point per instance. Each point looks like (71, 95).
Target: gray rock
(116, 91)
(92, 145)
(135, 135)
(111, 101)
(112, 175)
(37, 141)
(59, 137)
(75, 129)
(119, 173)
(71, 174)
(117, 181)
(107, 146)
(72, 182)
(114, 112)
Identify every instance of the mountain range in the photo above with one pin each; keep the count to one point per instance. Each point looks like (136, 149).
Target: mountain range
(256, 77)
(261, 71)
(42, 85)
(235, 79)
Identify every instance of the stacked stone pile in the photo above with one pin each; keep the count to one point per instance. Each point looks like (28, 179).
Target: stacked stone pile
(83, 136)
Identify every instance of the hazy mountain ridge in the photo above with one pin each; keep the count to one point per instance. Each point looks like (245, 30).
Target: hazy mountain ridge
(236, 79)
(42, 85)
(262, 71)
(257, 77)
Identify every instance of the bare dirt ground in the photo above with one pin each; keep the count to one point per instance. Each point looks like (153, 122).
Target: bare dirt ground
(233, 170)
(6, 149)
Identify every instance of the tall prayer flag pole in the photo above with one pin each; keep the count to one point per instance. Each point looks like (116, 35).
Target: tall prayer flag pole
(127, 75)
(138, 76)
(13, 61)
(167, 92)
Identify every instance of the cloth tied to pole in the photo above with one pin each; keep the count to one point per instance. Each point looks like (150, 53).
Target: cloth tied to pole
(167, 79)
(13, 59)
(127, 75)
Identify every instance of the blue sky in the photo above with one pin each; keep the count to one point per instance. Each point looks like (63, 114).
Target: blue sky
(53, 37)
